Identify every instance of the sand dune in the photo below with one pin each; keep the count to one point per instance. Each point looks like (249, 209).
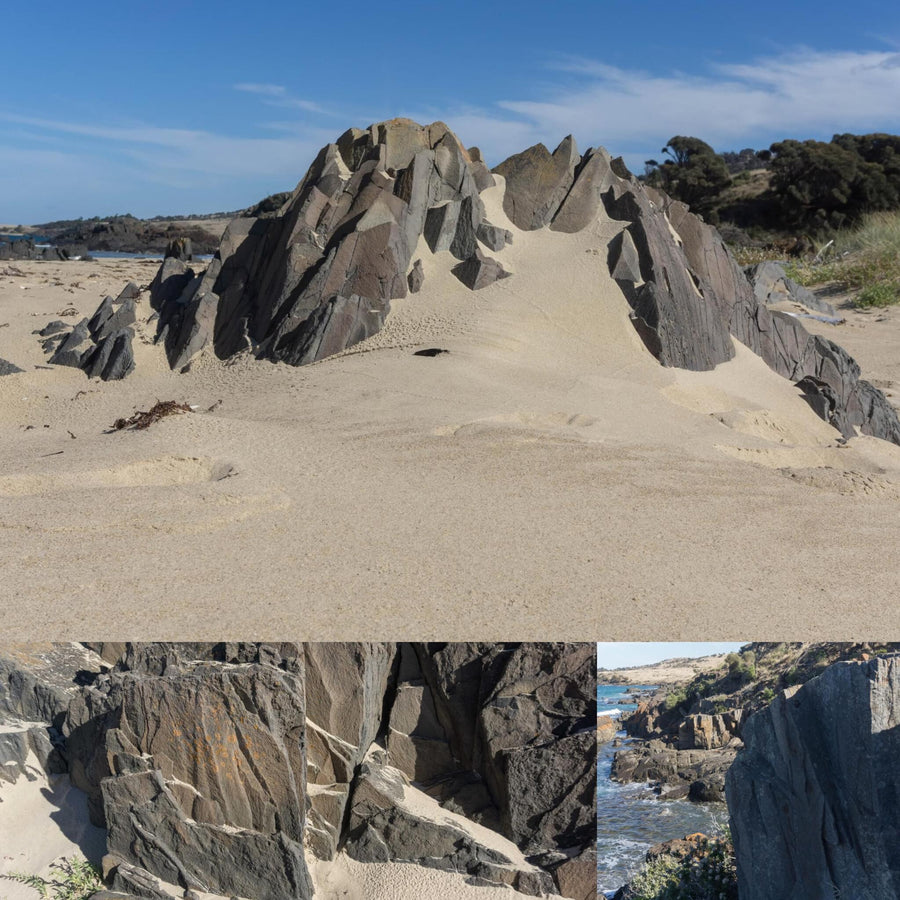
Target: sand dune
(546, 472)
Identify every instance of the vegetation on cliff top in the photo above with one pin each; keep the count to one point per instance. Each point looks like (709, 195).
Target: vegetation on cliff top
(750, 680)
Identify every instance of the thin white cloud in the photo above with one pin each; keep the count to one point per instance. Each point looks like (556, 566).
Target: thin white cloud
(278, 95)
(267, 90)
(799, 93)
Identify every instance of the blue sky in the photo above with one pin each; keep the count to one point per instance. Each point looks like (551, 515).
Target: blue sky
(177, 107)
(622, 653)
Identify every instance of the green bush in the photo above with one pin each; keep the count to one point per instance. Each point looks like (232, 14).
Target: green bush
(711, 876)
(878, 295)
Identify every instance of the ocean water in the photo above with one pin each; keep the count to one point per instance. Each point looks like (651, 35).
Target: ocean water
(630, 820)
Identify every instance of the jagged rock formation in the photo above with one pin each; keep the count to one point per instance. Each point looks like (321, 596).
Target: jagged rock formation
(102, 345)
(319, 276)
(216, 767)
(687, 293)
(813, 796)
(25, 248)
(37, 683)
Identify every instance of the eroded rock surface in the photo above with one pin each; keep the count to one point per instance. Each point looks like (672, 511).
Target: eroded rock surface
(213, 767)
(813, 795)
(318, 275)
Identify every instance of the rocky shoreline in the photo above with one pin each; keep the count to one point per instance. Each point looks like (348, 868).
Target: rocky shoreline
(721, 737)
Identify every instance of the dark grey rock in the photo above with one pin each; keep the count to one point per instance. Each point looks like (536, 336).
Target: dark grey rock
(674, 772)
(7, 368)
(771, 285)
(55, 327)
(694, 297)
(180, 248)
(170, 281)
(478, 271)
(124, 316)
(345, 684)
(101, 316)
(812, 797)
(131, 291)
(440, 226)
(416, 277)
(113, 358)
(492, 237)
(383, 827)
(318, 274)
(594, 176)
(139, 745)
(75, 348)
(537, 183)
(18, 747)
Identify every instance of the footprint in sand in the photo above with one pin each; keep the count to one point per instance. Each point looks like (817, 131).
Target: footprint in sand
(555, 422)
(159, 472)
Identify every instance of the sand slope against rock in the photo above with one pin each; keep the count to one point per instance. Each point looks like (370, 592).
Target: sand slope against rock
(545, 462)
(243, 769)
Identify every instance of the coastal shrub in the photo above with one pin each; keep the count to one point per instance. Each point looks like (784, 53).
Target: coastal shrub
(878, 295)
(863, 260)
(695, 173)
(768, 695)
(742, 665)
(71, 879)
(709, 875)
(656, 879)
(675, 698)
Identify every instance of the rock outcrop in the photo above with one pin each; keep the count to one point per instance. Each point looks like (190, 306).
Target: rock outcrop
(216, 767)
(771, 285)
(319, 275)
(310, 276)
(813, 795)
(697, 775)
(691, 297)
(102, 345)
(688, 295)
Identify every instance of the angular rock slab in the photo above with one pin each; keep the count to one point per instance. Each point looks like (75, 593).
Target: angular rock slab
(390, 821)
(202, 774)
(813, 796)
(478, 271)
(537, 183)
(345, 685)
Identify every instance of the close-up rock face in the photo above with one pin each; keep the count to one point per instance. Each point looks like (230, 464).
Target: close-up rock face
(813, 795)
(226, 768)
(317, 275)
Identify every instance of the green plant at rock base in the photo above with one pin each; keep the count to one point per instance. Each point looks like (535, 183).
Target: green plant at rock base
(710, 875)
(72, 879)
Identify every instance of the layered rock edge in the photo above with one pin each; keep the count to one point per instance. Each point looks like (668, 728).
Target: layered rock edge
(223, 767)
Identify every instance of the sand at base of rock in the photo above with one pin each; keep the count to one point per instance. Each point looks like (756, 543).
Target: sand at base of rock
(544, 476)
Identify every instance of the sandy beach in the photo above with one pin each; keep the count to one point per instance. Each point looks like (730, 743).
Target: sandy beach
(545, 472)
(668, 671)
